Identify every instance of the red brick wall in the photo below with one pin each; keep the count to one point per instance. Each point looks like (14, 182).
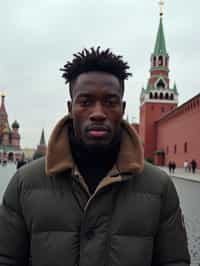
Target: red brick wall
(149, 114)
(159, 72)
(182, 126)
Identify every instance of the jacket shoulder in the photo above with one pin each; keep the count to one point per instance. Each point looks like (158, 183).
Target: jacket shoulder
(33, 168)
(152, 179)
(155, 172)
(32, 172)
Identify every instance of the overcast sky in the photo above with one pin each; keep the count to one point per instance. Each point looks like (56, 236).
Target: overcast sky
(39, 36)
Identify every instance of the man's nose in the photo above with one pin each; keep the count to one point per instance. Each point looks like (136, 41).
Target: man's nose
(98, 113)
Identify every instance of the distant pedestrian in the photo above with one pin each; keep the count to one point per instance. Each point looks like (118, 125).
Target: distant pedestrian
(170, 166)
(4, 163)
(173, 167)
(185, 165)
(21, 162)
(194, 166)
(189, 167)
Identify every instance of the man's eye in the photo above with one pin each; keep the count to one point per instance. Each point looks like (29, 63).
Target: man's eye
(85, 102)
(111, 102)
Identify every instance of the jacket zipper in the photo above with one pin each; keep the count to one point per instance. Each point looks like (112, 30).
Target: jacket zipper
(108, 242)
(107, 251)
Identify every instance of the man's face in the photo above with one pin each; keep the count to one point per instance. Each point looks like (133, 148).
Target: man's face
(96, 108)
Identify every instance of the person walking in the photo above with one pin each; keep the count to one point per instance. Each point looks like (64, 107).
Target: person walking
(193, 166)
(20, 162)
(189, 167)
(170, 166)
(185, 165)
(173, 166)
(93, 200)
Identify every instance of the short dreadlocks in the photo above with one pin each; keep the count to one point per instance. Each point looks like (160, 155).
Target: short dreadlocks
(95, 60)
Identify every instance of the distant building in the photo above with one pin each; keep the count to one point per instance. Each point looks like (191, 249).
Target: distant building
(41, 148)
(28, 153)
(9, 136)
(168, 131)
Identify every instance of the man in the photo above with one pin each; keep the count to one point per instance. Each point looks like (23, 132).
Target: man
(193, 165)
(92, 201)
(185, 165)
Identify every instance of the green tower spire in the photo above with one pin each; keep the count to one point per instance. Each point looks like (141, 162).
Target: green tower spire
(160, 46)
(42, 139)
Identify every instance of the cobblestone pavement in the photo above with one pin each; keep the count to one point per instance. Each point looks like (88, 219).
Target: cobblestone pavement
(180, 173)
(193, 232)
(187, 191)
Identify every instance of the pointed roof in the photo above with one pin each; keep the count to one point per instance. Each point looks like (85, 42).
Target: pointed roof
(2, 106)
(42, 139)
(160, 46)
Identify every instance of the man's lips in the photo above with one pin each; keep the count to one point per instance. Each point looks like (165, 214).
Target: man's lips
(97, 132)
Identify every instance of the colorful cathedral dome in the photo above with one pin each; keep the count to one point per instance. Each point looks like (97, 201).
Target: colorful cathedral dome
(6, 130)
(15, 124)
(9, 136)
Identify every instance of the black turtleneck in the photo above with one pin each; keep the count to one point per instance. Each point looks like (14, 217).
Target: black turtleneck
(94, 164)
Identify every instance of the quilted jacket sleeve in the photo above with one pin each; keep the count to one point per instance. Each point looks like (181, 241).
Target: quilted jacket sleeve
(171, 248)
(13, 234)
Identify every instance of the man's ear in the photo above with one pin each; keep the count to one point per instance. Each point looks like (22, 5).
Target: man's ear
(69, 107)
(123, 107)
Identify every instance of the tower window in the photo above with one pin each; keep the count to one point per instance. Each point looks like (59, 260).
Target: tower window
(151, 95)
(161, 95)
(185, 147)
(154, 61)
(160, 85)
(156, 95)
(175, 149)
(172, 97)
(166, 96)
(160, 60)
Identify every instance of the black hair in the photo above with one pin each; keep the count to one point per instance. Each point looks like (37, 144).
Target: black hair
(95, 60)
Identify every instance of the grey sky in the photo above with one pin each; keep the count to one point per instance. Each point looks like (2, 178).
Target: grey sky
(39, 36)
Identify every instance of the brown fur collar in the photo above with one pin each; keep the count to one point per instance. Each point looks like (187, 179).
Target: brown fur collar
(59, 157)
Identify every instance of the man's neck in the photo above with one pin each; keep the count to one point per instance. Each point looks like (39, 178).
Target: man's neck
(94, 164)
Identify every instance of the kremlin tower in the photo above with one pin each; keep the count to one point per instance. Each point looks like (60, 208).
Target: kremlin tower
(9, 137)
(41, 148)
(157, 99)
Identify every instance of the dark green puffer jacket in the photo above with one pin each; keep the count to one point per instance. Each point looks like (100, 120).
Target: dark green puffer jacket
(48, 217)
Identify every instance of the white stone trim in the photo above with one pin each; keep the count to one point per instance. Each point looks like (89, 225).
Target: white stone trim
(159, 101)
